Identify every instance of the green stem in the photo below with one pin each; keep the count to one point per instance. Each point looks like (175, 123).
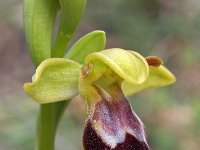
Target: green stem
(60, 45)
(49, 117)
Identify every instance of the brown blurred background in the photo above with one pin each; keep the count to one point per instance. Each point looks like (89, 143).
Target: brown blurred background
(167, 28)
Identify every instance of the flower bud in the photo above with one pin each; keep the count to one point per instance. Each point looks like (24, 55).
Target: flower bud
(112, 125)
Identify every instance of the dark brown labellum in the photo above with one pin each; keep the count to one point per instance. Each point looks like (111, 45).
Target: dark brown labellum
(112, 125)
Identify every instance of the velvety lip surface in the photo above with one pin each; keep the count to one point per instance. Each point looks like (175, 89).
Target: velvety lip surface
(114, 126)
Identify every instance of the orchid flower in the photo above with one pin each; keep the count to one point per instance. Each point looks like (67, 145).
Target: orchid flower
(104, 78)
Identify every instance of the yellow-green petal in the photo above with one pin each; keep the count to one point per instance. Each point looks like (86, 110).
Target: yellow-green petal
(158, 77)
(56, 79)
(91, 42)
(129, 65)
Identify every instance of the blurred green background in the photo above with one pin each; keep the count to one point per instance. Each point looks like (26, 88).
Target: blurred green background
(167, 28)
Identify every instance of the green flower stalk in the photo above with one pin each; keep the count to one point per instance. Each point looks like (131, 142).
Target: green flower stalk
(39, 24)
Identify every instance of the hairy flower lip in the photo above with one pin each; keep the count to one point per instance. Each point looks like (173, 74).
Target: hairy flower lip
(93, 141)
(112, 125)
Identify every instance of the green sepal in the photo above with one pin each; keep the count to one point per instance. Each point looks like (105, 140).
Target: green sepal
(56, 79)
(158, 77)
(71, 13)
(91, 42)
(129, 65)
(39, 17)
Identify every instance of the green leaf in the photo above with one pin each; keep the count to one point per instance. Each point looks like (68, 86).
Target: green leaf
(91, 42)
(56, 79)
(158, 77)
(129, 65)
(39, 17)
(71, 13)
